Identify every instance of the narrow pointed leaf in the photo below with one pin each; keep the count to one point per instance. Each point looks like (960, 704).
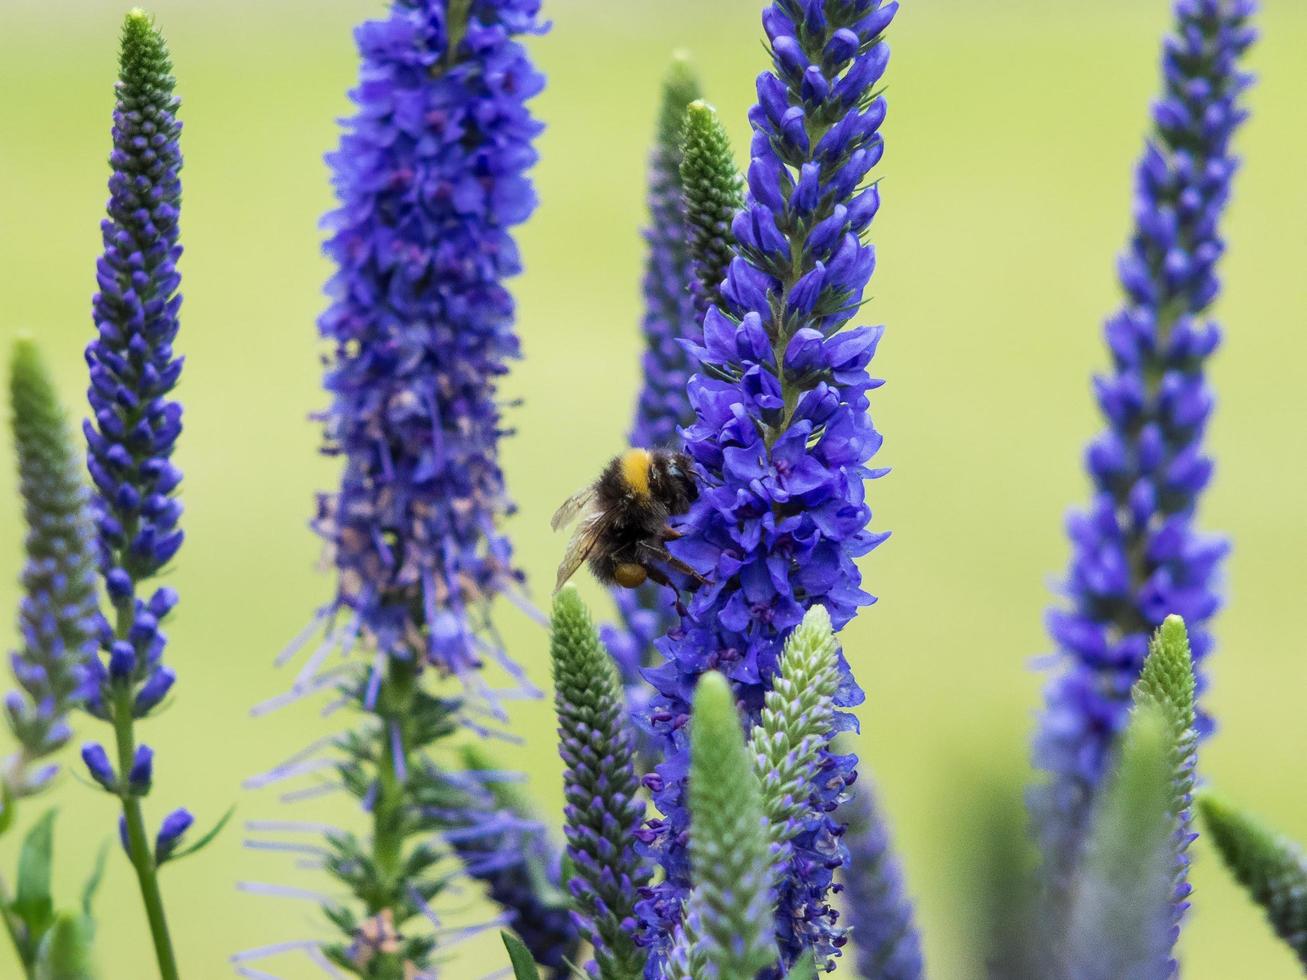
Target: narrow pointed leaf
(524, 967)
(33, 903)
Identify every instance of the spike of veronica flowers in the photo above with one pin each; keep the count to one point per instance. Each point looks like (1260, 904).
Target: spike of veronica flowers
(1136, 554)
(58, 617)
(134, 428)
(886, 944)
(604, 809)
(669, 317)
(431, 176)
(781, 433)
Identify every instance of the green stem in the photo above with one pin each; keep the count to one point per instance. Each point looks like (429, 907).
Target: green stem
(394, 702)
(25, 956)
(138, 842)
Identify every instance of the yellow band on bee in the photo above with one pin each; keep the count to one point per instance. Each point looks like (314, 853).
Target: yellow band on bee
(635, 470)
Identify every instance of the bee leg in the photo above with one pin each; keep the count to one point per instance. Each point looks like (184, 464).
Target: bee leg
(669, 533)
(658, 575)
(667, 558)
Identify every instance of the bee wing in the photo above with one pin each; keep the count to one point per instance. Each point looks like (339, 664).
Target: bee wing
(572, 506)
(584, 539)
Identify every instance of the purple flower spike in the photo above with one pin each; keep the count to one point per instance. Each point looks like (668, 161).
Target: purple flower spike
(781, 434)
(1137, 556)
(431, 177)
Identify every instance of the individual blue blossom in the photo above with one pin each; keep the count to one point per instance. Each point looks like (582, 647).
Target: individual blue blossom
(782, 435)
(876, 907)
(1137, 554)
(662, 407)
(133, 430)
(58, 616)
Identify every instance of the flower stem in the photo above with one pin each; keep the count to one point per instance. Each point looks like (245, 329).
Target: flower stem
(394, 702)
(138, 843)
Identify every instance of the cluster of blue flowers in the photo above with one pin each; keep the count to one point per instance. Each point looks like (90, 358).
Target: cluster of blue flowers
(782, 435)
(431, 177)
(751, 367)
(1137, 555)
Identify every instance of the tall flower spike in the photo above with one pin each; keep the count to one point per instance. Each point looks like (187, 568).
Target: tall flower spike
(58, 617)
(878, 913)
(714, 195)
(1137, 556)
(600, 785)
(1120, 927)
(730, 908)
(662, 408)
(131, 437)
(1271, 867)
(781, 435)
(431, 178)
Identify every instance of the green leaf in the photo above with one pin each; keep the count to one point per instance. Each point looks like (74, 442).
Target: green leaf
(6, 806)
(207, 839)
(804, 968)
(1272, 868)
(524, 967)
(65, 952)
(33, 903)
(93, 882)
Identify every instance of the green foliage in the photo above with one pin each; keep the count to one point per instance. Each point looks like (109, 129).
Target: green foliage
(1120, 917)
(730, 906)
(65, 952)
(1272, 868)
(713, 193)
(796, 723)
(33, 904)
(524, 967)
(51, 944)
(600, 785)
(804, 968)
(203, 841)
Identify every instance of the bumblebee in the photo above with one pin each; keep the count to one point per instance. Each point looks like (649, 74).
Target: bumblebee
(623, 517)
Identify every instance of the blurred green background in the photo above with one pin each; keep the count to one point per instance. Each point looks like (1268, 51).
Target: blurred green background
(1013, 128)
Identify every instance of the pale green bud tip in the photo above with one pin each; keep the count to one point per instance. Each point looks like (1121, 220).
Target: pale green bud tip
(714, 707)
(568, 601)
(817, 619)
